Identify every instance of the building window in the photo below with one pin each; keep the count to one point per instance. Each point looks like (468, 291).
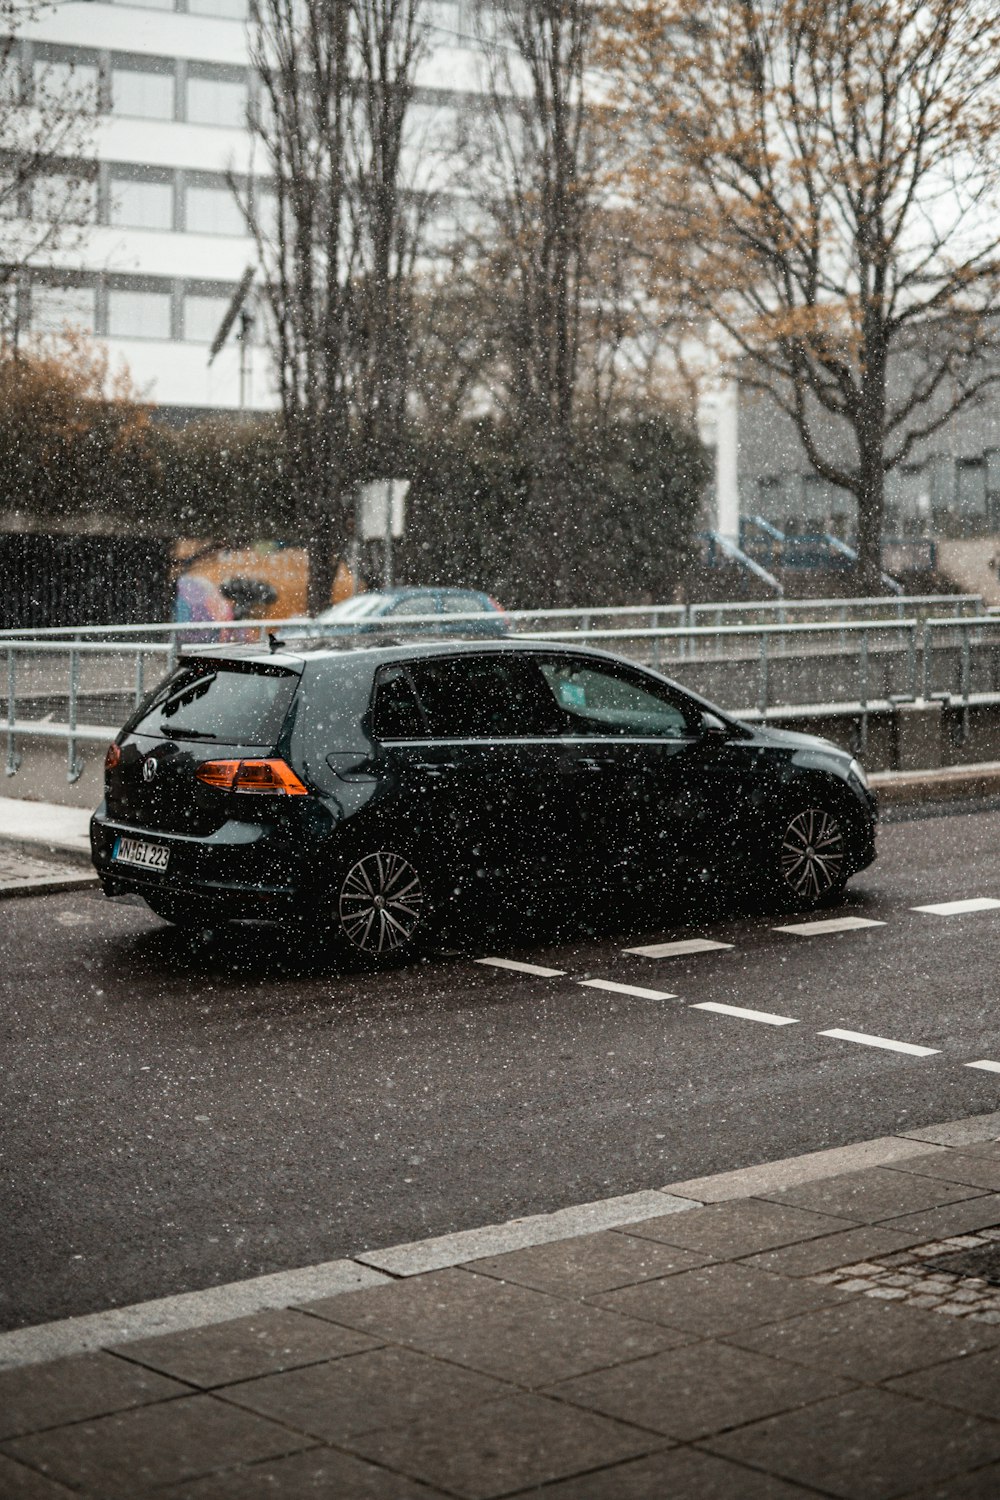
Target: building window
(217, 101)
(54, 309)
(204, 312)
(142, 93)
(64, 84)
(203, 315)
(11, 81)
(229, 10)
(64, 197)
(212, 210)
(265, 209)
(138, 315)
(141, 203)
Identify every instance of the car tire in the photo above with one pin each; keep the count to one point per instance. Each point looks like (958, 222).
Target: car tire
(808, 854)
(382, 906)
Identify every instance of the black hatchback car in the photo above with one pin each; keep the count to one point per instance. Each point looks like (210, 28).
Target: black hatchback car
(371, 791)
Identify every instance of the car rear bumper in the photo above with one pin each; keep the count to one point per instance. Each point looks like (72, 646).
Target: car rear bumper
(242, 869)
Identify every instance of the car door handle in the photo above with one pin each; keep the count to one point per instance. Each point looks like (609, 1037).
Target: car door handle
(589, 764)
(434, 768)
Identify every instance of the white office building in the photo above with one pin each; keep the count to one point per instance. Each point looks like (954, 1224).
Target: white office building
(167, 247)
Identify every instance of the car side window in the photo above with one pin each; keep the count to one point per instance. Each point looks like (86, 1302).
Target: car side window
(461, 604)
(597, 701)
(396, 713)
(485, 697)
(422, 604)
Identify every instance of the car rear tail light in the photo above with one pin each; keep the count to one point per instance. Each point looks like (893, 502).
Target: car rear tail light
(267, 777)
(113, 756)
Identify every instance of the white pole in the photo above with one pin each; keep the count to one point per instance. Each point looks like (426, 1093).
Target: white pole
(727, 494)
(388, 534)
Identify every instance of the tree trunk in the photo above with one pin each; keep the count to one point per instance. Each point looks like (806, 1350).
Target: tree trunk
(870, 498)
(323, 562)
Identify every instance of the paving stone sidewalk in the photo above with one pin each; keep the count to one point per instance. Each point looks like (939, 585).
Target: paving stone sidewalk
(29, 875)
(825, 1331)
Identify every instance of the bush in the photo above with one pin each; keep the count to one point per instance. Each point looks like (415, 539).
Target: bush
(611, 526)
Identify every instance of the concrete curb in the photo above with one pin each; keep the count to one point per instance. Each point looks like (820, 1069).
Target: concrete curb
(45, 1341)
(518, 1234)
(60, 853)
(794, 1170)
(46, 829)
(947, 784)
(45, 885)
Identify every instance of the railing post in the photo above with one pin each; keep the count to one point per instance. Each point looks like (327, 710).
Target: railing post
(13, 759)
(140, 676)
(966, 680)
(764, 675)
(74, 766)
(863, 693)
(911, 659)
(925, 689)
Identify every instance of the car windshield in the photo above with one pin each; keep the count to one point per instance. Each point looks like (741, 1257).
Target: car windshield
(233, 704)
(358, 608)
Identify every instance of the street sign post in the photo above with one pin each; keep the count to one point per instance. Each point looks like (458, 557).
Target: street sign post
(381, 516)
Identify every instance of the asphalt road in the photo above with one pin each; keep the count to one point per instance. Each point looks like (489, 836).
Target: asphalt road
(182, 1111)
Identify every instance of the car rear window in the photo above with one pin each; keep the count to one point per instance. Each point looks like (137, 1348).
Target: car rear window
(234, 703)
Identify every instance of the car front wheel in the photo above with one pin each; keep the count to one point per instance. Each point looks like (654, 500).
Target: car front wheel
(810, 855)
(383, 910)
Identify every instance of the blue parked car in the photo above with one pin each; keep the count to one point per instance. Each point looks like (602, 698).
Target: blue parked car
(409, 611)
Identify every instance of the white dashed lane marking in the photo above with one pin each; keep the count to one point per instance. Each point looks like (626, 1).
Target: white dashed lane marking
(683, 946)
(828, 924)
(626, 989)
(865, 1040)
(519, 968)
(766, 1016)
(675, 950)
(955, 908)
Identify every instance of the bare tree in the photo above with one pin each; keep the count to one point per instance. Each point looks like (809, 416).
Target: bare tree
(389, 210)
(46, 165)
(533, 151)
(301, 54)
(336, 229)
(820, 178)
(536, 184)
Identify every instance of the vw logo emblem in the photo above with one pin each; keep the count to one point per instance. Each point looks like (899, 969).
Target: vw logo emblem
(149, 768)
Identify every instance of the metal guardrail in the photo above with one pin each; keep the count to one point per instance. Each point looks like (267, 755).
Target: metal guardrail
(763, 644)
(72, 731)
(93, 655)
(904, 606)
(982, 631)
(749, 612)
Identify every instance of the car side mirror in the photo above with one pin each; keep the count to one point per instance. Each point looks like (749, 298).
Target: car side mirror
(712, 725)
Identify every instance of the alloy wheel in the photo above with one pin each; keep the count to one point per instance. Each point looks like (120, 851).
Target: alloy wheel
(812, 854)
(382, 904)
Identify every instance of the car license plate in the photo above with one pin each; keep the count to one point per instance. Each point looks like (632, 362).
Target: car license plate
(138, 852)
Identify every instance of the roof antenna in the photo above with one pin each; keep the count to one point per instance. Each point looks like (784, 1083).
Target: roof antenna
(273, 642)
